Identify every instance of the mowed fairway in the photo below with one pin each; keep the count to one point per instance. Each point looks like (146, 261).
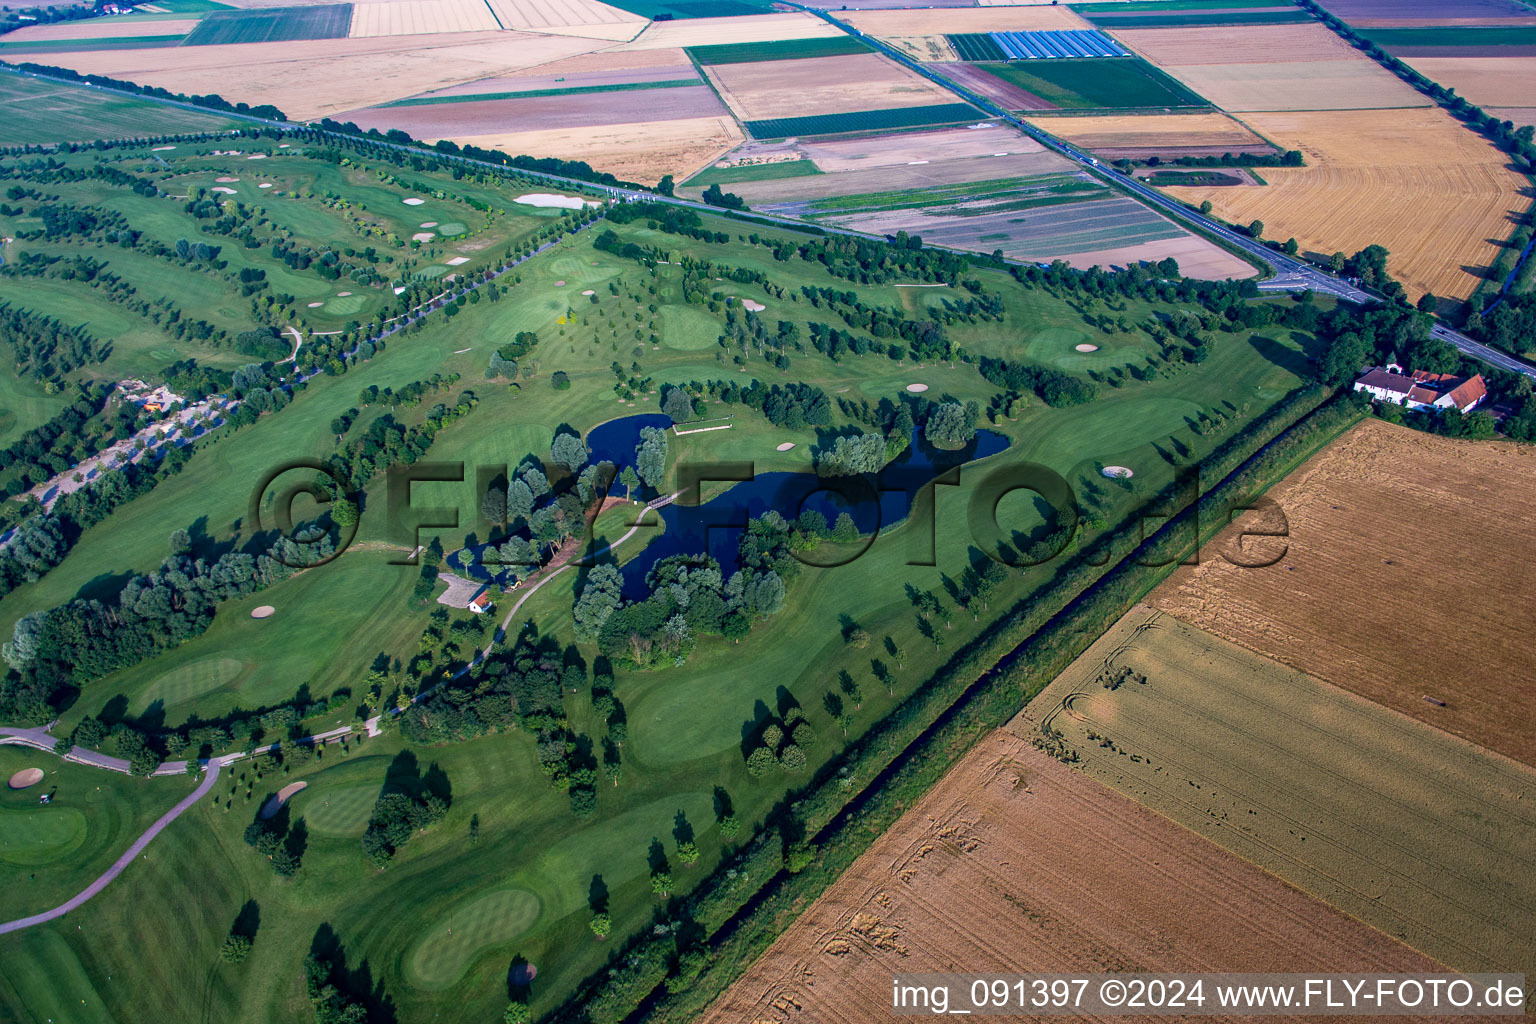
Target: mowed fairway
(1355, 592)
(1418, 834)
(1414, 181)
(34, 110)
(1013, 859)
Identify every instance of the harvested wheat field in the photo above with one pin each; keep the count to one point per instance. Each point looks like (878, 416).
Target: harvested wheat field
(1353, 84)
(943, 21)
(1067, 874)
(1414, 181)
(641, 151)
(421, 17)
(901, 149)
(754, 28)
(924, 48)
(1410, 13)
(540, 113)
(821, 85)
(1157, 134)
(568, 17)
(320, 77)
(1237, 44)
(1197, 258)
(1485, 81)
(1515, 115)
(101, 28)
(1417, 833)
(1408, 575)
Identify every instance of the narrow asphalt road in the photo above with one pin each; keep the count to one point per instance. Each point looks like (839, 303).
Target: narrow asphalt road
(209, 778)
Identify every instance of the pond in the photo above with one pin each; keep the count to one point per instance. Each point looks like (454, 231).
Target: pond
(715, 526)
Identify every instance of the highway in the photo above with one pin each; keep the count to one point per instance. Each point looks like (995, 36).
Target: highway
(1289, 273)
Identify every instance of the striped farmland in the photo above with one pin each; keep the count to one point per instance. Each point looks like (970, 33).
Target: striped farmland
(861, 121)
(1035, 45)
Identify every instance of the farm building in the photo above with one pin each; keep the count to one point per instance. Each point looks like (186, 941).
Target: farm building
(481, 602)
(1420, 389)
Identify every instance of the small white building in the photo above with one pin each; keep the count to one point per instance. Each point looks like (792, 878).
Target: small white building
(1420, 389)
(481, 602)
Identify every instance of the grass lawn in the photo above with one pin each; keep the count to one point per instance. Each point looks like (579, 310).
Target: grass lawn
(754, 172)
(1109, 82)
(35, 110)
(48, 853)
(442, 924)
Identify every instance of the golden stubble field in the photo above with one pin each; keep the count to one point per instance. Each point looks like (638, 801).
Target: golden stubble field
(1013, 862)
(1152, 131)
(821, 85)
(1419, 834)
(640, 152)
(1436, 195)
(1485, 81)
(1410, 572)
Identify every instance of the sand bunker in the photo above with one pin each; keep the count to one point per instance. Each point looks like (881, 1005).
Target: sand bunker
(264, 611)
(223, 188)
(225, 180)
(316, 305)
(753, 307)
(917, 388)
(458, 261)
(161, 149)
(342, 295)
(786, 446)
(1118, 473)
(275, 803)
(265, 184)
(547, 199)
(257, 156)
(559, 284)
(428, 224)
(589, 291)
(413, 201)
(1087, 348)
(26, 777)
(423, 236)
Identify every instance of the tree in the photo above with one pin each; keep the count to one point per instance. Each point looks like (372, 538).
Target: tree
(688, 853)
(661, 882)
(759, 762)
(235, 949)
(519, 500)
(1205, 206)
(493, 505)
(858, 638)
(677, 405)
(951, 424)
(651, 456)
(630, 480)
(517, 1012)
(665, 186)
(1256, 229)
(600, 597)
(1427, 303)
(180, 542)
(601, 925)
(1344, 359)
(569, 451)
(344, 512)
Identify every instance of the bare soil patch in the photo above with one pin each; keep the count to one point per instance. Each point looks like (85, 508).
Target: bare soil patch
(1407, 574)
(1237, 44)
(541, 113)
(901, 148)
(1004, 94)
(1485, 81)
(275, 801)
(101, 28)
(421, 17)
(1156, 131)
(1351, 84)
(1197, 258)
(642, 151)
(1013, 859)
(26, 778)
(820, 85)
(1410, 830)
(943, 21)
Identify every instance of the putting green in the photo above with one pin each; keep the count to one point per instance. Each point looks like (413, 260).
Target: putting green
(191, 681)
(687, 329)
(341, 812)
(40, 835)
(451, 228)
(1057, 347)
(445, 952)
(344, 305)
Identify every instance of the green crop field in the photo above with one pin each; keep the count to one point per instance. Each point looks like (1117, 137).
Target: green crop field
(1198, 18)
(273, 24)
(977, 46)
(39, 46)
(681, 9)
(861, 121)
(423, 101)
(1115, 83)
(37, 110)
(781, 49)
(510, 873)
(754, 172)
(1452, 35)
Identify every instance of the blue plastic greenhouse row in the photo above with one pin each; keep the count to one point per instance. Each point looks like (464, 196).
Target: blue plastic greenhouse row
(1066, 43)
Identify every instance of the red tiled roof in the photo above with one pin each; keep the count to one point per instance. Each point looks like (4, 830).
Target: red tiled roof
(1424, 395)
(1473, 389)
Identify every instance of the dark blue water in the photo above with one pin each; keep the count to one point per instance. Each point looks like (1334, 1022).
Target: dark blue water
(874, 503)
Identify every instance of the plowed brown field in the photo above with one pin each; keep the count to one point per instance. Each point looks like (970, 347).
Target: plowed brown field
(1485, 81)
(821, 85)
(1237, 44)
(1414, 181)
(1014, 862)
(642, 151)
(1409, 573)
(1155, 131)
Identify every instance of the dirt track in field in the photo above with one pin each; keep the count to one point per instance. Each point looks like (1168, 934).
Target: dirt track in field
(1014, 862)
(1410, 572)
